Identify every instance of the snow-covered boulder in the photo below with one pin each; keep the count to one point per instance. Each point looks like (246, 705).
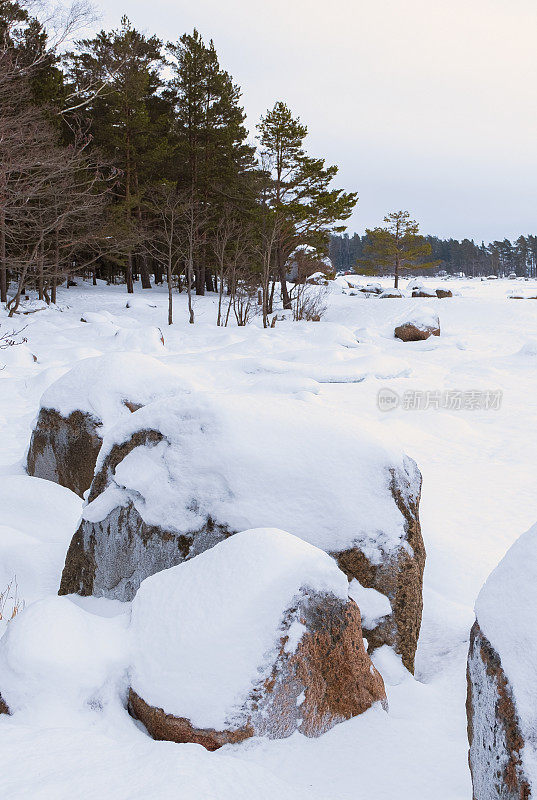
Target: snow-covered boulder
(178, 476)
(417, 325)
(502, 675)
(318, 279)
(76, 410)
(255, 637)
(441, 293)
(423, 292)
(372, 288)
(388, 293)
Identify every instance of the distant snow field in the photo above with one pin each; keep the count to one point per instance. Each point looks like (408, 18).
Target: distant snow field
(462, 406)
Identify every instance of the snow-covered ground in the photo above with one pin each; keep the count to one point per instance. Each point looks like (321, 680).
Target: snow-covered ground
(479, 485)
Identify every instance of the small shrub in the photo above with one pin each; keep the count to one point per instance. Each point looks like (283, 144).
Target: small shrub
(11, 593)
(310, 303)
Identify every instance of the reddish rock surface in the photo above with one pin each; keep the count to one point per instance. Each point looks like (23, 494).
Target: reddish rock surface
(410, 332)
(327, 679)
(494, 733)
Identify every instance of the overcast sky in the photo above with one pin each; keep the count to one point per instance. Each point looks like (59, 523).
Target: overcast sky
(425, 105)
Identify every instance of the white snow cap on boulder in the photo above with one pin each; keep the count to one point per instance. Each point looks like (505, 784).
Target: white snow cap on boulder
(202, 630)
(417, 325)
(247, 462)
(100, 386)
(421, 318)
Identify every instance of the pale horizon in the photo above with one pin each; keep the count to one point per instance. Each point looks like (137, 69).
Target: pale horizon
(423, 106)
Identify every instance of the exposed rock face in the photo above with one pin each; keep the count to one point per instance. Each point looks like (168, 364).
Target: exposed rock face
(399, 576)
(310, 685)
(494, 733)
(414, 332)
(112, 557)
(444, 293)
(65, 449)
(3, 706)
(502, 674)
(79, 407)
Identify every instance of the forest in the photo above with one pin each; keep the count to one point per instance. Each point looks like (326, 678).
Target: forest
(124, 157)
(500, 258)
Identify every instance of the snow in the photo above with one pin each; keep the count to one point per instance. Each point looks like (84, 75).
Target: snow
(422, 317)
(479, 488)
(100, 386)
(233, 458)
(373, 605)
(37, 520)
(204, 632)
(505, 610)
(56, 653)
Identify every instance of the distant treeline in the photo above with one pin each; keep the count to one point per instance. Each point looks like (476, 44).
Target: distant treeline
(496, 258)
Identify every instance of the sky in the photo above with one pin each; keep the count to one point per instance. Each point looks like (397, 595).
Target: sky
(424, 105)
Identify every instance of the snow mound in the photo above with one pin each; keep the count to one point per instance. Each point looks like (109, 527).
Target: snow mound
(202, 630)
(18, 356)
(53, 651)
(100, 386)
(40, 508)
(245, 463)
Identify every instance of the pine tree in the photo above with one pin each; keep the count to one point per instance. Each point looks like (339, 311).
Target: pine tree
(307, 208)
(212, 160)
(117, 74)
(397, 246)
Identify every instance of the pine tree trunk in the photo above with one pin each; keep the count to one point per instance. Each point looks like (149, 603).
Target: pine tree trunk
(170, 296)
(56, 266)
(128, 275)
(144, 273)
(40, 284)
(200, 280)
(3, 265)
(286, 300)
(270, 304)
